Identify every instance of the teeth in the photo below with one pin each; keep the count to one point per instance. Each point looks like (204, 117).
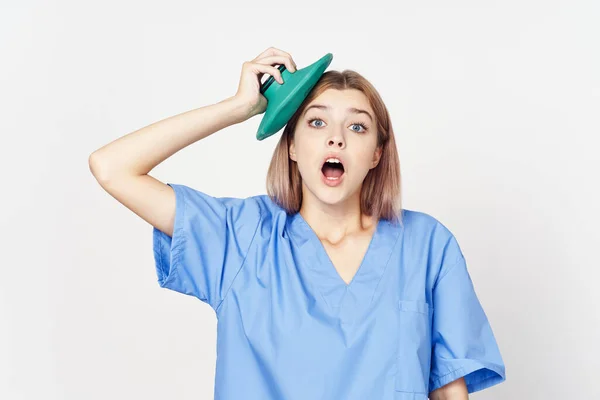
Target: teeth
(333, 160)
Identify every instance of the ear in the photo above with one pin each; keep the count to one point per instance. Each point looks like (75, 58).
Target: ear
(377, 156)
(292, 151)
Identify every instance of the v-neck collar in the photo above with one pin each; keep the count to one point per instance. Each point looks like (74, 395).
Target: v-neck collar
(321, 270)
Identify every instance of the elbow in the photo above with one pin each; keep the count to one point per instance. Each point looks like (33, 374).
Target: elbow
(98, 168)
(106, 171)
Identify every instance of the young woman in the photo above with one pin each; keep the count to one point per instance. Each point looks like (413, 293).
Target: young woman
(324, 288)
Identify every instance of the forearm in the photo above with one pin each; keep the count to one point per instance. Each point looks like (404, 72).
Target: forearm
(138, 152)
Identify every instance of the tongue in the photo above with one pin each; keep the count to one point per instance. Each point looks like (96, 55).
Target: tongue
(332, 172)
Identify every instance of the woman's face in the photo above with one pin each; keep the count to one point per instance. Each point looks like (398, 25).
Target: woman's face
(333, 126)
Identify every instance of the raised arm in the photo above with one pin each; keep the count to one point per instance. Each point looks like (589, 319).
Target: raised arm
(121, 167)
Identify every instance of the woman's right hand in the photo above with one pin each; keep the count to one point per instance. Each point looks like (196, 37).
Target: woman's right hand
(248, 92)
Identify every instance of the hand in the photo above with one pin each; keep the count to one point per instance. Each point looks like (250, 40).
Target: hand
(248, 92)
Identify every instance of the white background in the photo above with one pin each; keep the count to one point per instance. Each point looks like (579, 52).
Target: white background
(495, 106)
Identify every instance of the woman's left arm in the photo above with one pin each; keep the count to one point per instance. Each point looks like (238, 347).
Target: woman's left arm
(455, 390)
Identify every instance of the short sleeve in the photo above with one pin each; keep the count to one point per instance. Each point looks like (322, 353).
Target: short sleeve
(463, 344)
(211, 237)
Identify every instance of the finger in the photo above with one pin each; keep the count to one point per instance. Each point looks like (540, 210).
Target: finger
(266, 69)
(273, 51)
(277, 60)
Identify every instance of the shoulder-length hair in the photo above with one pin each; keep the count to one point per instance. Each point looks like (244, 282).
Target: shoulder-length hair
(380, 194)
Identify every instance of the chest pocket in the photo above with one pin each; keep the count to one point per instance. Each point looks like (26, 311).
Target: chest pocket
(413, 357)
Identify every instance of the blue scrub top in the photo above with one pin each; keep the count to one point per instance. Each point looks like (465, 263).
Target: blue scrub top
(289, 327)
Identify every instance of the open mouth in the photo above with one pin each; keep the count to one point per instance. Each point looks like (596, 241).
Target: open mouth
(333, 169)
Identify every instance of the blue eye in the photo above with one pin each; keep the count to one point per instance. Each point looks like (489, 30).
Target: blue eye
(314, 119)
(363, 126)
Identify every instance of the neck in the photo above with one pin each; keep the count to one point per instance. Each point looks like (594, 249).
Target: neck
(332, 223)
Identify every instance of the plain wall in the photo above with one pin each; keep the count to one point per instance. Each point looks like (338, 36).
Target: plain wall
(495, 106)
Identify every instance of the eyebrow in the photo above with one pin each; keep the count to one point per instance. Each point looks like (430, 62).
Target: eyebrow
(353, 110)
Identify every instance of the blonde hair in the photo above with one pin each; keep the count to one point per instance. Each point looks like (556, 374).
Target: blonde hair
(380, 194)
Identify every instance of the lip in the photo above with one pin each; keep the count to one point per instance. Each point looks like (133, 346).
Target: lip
(333, 155)
(332, 182)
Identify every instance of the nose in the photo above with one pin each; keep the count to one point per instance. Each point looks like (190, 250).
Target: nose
(336, 141)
